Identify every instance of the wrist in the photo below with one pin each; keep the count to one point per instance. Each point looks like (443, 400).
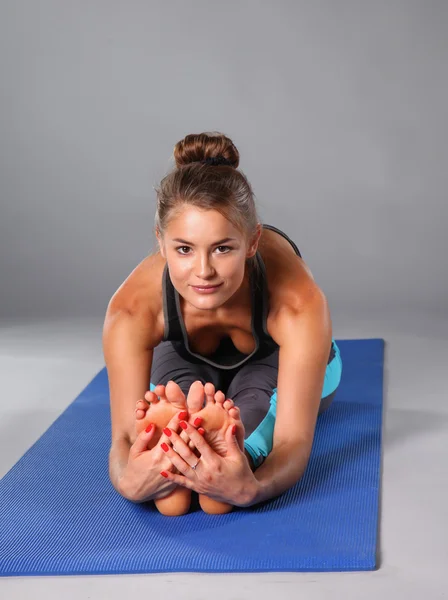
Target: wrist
(250, 494)
(124, 488)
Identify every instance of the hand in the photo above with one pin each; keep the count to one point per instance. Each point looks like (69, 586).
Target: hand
(141, 480)
(226, 478)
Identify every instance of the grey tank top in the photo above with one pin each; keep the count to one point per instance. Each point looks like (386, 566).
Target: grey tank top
(226, 356)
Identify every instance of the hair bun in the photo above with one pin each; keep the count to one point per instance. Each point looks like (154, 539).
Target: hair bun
(213, 147)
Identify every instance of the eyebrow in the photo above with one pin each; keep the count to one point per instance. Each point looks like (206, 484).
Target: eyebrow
(227, 239)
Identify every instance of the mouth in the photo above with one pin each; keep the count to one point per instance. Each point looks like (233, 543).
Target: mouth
(206, 287)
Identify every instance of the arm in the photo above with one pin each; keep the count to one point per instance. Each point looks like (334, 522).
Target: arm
(304, 336)
(128, 341)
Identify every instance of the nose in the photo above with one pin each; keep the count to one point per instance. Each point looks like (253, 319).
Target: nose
(204, 268)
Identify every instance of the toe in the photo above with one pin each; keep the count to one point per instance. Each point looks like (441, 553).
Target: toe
(140, 414)
(209, 390)
(175, 395)
(228, 404)
(220, 397)
(234, 412)
(151, 397)
(160, 391)
(195, 398)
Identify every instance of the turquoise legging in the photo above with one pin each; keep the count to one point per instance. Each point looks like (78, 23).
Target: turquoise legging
(259, 443)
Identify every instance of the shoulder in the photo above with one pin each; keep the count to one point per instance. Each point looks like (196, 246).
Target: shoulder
(291, 287)
(308, 324)
(140, 297)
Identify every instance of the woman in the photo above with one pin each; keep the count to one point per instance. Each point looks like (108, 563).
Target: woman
(256, 346)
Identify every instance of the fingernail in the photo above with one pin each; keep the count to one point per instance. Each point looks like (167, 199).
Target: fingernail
(183, 415)
(164, 447)
(183, 424)
(197, 421)
(150, 426)
(163, 473)
(201, 430)
(234, 430)
(167, 431)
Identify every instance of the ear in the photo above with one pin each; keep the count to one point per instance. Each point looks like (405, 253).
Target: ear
(161, 244)
(252, 249)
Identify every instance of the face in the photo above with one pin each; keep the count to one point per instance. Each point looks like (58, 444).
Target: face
(202, 248)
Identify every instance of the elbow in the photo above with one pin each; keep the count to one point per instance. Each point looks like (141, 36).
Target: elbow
(296, 453)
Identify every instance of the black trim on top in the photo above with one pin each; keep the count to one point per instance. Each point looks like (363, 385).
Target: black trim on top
(175, 330)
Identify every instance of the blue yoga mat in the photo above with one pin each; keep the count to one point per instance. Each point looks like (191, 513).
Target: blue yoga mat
(60, 515)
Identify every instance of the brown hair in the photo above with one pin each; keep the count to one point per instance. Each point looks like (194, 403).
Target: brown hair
(205, 186)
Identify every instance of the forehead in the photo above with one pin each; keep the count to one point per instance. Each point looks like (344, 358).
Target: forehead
(192, 221)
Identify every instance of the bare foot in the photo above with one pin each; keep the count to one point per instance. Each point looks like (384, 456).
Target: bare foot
(217, 415)
(159, 411)
(158, 408)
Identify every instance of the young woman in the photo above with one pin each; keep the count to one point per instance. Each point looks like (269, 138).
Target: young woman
(227, 327)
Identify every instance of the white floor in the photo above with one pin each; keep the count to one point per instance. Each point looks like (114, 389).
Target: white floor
(45, 365)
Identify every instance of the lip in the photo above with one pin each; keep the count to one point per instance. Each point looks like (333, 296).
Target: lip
(206, 289)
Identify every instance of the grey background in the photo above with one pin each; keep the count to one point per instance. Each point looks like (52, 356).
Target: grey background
(337, 109)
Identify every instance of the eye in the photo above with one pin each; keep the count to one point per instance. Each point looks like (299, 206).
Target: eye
(188, 248)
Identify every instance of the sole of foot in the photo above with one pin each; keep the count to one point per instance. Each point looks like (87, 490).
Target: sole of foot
(159, 407)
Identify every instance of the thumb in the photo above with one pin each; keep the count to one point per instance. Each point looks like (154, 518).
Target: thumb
(233, 448)
(143, 438)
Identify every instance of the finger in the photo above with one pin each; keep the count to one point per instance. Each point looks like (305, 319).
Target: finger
(178, 457)
(173, 423)
(179, 479)
(199, 442)
(142, 440)
(183, 436)
(232, 442)
(180, 447)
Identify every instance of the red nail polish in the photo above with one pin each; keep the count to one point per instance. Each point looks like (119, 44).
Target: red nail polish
(163, 473)
(164, 447)
(201, 430)
(183, 415)
(197, 421)
(234, 430)
(150, 426)
(167, 431)
(183, 424)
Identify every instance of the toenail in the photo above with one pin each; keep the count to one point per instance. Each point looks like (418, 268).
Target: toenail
(167, 431)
